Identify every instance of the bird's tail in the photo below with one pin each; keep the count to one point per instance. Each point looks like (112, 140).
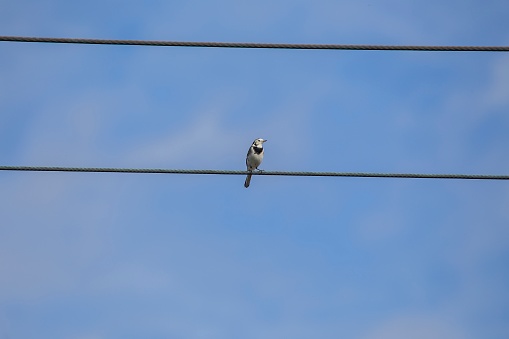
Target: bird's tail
(248, 181)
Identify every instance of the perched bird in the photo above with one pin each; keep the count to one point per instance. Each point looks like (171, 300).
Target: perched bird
(254, 158)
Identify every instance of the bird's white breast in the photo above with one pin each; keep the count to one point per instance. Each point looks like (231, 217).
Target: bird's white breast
(254, 160)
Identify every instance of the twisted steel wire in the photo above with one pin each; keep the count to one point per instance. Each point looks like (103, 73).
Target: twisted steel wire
(230, 172)
(257, 45)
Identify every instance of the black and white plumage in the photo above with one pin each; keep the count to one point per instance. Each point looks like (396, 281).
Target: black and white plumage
(254, 158)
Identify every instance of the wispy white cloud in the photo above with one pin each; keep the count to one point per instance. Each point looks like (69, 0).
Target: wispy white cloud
(495, 93)
(203, 141)
(419, 326)
(51, 232)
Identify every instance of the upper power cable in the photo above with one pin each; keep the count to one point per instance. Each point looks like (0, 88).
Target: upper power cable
(258, 45)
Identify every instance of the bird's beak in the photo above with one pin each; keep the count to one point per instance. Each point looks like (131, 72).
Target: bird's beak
(264, 140)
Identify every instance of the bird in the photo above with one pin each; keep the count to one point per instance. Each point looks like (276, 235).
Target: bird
(254, 158)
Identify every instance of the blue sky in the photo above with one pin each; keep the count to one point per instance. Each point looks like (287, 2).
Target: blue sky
(92, 256)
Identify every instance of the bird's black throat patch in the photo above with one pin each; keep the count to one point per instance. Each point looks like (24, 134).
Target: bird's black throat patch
(258, 150)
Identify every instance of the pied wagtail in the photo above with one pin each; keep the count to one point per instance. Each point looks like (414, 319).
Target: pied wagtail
(254, 158)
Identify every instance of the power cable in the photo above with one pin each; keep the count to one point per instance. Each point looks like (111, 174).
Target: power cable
(257, 45)
(278, 173)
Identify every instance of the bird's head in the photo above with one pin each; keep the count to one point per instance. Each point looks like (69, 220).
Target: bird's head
(258, 142)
